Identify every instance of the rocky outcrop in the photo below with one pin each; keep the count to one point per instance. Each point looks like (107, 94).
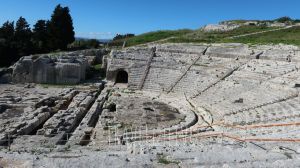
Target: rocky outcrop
(57, 68)
(94, 56)
(219, 27)
(50, 70)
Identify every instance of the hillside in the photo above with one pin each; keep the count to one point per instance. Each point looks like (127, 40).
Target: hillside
(249, 32)
(151, 37)
(286, 36)
(218, 36)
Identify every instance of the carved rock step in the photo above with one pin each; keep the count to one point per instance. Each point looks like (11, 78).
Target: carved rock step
(83, 132)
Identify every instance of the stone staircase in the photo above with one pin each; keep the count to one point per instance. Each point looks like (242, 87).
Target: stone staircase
(227, 74)
(168, 90)
(136, 75)
(147, 68)
(160, 78)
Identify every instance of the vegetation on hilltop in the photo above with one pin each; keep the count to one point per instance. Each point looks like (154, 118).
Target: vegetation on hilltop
(213, 37)
(284, 19)
(84, 44)
(287, 19)
(288, 36)
(120, 36)
(150, 37)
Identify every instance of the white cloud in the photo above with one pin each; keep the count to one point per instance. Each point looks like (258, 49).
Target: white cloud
(97, 35)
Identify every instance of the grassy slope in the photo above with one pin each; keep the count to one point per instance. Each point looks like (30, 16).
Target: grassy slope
(212, 37)
(288, 36)
(151, 36)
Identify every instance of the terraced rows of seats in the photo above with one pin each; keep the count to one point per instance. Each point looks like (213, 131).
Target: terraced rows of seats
(160, 79)
(251, 84)
(161, 76)
(271, 113)
(235, 83)
(204, 73)
(243, 97)
(136, 77)
(166, 66)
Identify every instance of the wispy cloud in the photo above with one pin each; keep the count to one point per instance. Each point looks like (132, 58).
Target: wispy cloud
(96, 35)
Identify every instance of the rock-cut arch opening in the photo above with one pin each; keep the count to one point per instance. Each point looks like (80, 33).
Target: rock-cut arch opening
(122, 77)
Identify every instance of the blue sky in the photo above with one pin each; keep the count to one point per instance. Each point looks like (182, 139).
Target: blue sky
(105, 18)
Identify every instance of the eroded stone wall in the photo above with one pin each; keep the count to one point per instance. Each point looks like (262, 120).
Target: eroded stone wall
(57, 68)
(63, 70)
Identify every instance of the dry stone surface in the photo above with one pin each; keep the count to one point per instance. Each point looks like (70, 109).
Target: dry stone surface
(176, 105)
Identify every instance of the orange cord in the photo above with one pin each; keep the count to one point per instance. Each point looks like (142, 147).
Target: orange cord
(235, 137)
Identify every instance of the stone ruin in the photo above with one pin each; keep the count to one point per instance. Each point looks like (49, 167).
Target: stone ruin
(219, 27)
(186, 104)
(47, 70)
(163, 67)
(58, 68)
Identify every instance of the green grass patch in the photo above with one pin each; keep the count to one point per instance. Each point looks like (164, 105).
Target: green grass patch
(287, 36)
(241, 21)
(96, 71)
(163, 160)
(150, 37)
(98, 67)
(200, 36)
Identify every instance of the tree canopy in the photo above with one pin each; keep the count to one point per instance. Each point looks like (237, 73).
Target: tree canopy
(120, 36)
(17, 40)
(22, 37)
(61, 28)
(40, 35)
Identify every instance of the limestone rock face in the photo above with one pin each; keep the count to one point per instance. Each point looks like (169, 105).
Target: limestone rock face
(94, 56)
(58, 68)
(219, 28)
(46, 69)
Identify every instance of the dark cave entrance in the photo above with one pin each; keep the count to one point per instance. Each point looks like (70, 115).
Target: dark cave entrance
(122, 77)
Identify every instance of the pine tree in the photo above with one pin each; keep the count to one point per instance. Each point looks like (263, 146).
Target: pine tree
(40, 36)
(17, 41)
(61, 28)
(8, 54)
(7, 31)
(23, 36)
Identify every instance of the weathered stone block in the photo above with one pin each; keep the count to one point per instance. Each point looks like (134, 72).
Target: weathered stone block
(44, 69)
